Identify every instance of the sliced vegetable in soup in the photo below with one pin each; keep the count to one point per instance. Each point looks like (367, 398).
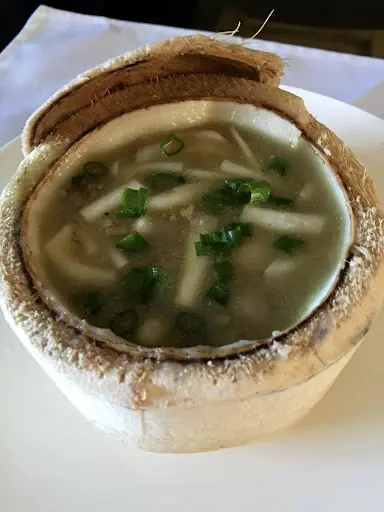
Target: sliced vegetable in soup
(203, 236)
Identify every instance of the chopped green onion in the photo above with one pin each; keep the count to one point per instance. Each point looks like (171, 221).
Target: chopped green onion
(171, 145)
(220, 252)
(76, 180)
(214, 238)
(134, 203)
(93, 303)
(233, 236)
(258, 191)
(218, 243)
(139, 284)
(279, 201)
(279, 165)
(95, 168)
(236, 193)
(164, 181)
(220, 199)
(190, 323)
(201, 250)
(124, 323)
(219, 293)
(288, 243)
(246, 227)
(135, 199)
(132, 242)
(224, 270)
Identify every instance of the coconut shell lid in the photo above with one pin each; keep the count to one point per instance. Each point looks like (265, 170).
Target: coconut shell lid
(178, 57)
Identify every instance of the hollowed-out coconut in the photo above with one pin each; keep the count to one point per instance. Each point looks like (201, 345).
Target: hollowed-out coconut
(199, 398)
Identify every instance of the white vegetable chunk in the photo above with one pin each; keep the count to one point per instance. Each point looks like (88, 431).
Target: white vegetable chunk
(237, 170)
(209, 138)
(114, 168)
(246, 150)
(59, 251)
(195, 269)
(179, 196)
(62, 239)
(202, 174)
(89, 245)
(150, 152)
(188, 212)
(207, 141)
(143, 225)
(106, 203)
(151, 332)
(306, 193)
(282, 221)
(209, 135)
(84, 234)
(81, 273)
(281, 267)
(117, 258)
(209, 149)
(168, 166)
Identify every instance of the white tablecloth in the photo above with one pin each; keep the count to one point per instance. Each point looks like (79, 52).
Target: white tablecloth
(54, 46)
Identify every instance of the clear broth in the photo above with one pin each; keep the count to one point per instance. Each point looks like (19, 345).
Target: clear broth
(262, 299)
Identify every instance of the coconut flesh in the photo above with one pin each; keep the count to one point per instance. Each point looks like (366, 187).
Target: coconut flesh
(180, 116)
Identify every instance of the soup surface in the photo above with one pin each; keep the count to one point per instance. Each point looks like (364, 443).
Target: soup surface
(201, 236)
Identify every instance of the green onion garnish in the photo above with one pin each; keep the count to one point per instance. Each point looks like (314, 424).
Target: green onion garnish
(236, 193)
(245, 227)
(190, 323)
(134, 203)
(95, 168)
(93, 303)
(279, 201)
(214, 238)
(201, 250)
(220, 199)
(288, 243)
(224, 270)
(219, 243)
(124, 323)
(220, 252)
(132, 242)
(219, 293)
(164, 181)
(76, 180)
(257, 191)
(171, 145)
(139, 285)
(233, 236)
(279, 165)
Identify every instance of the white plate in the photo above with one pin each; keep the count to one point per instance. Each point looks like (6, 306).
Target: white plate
(53, 460)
